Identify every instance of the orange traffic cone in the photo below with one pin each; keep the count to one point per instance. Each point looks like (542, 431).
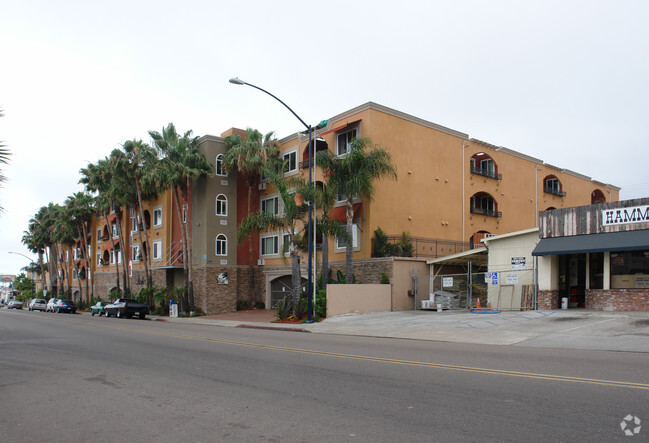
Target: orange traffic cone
(488, 306)
(478, 307)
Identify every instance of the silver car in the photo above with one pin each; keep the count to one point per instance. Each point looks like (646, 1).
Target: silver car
(15, 304)
(37, 304)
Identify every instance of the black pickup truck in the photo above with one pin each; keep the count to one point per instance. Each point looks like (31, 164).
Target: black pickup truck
(126, 307)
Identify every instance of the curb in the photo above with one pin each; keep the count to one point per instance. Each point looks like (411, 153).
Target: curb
(272, 328)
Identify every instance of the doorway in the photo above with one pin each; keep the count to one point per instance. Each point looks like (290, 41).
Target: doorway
(572, 279)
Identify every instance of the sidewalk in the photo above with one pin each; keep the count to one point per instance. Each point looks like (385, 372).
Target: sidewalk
(573, 329)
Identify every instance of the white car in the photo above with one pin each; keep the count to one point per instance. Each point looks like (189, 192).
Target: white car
(15, 304)
(37, 304)
(51, 305)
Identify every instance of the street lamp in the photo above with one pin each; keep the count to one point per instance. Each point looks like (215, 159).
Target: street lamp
(309, 286)
(32, 268)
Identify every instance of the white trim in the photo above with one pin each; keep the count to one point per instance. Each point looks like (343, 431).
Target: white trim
(224, 204)
(295, 170)
(157, 208)
(262, 238)
(157, 250)
(223, 240)
(216, 166)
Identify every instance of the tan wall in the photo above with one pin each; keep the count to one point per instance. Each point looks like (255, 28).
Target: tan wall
(402, 283)
(431, 197)
(357, 299)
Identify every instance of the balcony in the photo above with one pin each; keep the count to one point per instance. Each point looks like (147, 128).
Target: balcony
(486, 173)
(487, 212)
(553, 191)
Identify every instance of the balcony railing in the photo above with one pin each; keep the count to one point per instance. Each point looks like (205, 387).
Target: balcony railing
(486, 173)
(554, 191)
(400, 246)
(487, 212)
(305, 164)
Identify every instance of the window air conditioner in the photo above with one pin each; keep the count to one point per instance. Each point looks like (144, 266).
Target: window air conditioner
(260, 262)
(262, 186)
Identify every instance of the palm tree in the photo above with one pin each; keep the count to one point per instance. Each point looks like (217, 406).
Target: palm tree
(249, 156)
(291, 221)
(81, 207)
(100, 178)
(325, 226)
(141, 159)
(180, 164)
(352, 175)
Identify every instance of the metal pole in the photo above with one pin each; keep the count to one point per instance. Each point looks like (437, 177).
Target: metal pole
(238, 81)
(309, 318)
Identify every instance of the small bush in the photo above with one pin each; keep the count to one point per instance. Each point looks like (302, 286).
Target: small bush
(385, 280)
(284, 308)
(242, 304)
(260, 305)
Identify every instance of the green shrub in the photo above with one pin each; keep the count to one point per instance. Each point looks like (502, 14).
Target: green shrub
(260, 305)
(242, 304)
(284, 308)
(385, 280)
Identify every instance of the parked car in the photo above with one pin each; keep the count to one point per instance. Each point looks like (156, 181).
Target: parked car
(37, 304)
(126, 307)
(51, 304)
(98, 308)
(65, 306)
(15, 304)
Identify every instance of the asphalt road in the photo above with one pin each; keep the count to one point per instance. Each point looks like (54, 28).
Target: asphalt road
(80, 378)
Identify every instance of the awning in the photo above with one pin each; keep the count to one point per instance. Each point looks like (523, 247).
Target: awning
(340, 213)
(478, 256)
(581, 244)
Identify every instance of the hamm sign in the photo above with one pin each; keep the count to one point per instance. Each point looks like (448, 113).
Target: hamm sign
(624, 216)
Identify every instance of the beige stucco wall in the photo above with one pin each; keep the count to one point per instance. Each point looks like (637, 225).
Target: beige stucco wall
(357, 299)
(403, 270)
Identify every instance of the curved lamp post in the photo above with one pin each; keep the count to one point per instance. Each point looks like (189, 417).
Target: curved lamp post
(32, 262)
(238, 81)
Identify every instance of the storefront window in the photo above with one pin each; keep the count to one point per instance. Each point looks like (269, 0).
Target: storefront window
(630, 270)
(596, 271)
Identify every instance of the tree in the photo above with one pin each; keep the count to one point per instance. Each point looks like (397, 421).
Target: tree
(325, 226)
(291, 221)
(352, 175)
(81, 207)
(180, 164)
(140, 161)
(249, 156)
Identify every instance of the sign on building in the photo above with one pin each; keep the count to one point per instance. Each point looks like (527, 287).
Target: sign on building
(518, 262)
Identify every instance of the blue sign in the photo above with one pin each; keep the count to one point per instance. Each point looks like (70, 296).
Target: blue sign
(494, 278)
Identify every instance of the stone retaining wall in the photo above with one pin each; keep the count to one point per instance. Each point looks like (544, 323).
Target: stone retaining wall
(617, 299)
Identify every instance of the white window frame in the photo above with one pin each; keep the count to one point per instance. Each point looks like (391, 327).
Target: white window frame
(157, 210)
(355, 239)
(113, 230)
(221, 239)
(223, 205)
(130, 268)
(99, 232)
(553, 184)
(286, 239)
(263, 205)
(133, 220)
(263, 242)
(287, 156)
(114, 253)
(488, 165)
(184, 215)
(157, 250)
(135, 252)
(349, 135)
(99, 259)
(218, 167)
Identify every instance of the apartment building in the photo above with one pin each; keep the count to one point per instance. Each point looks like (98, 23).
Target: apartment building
(451, 191)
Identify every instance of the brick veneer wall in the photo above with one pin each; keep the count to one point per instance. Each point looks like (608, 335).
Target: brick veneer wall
(617, 299)
(548, 299)
(210, 297)
(366, 271)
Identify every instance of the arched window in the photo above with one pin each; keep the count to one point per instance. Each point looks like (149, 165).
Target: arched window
(482, 164)
(483, 203)
(221, 205)
(552, 185)
(597, 196)
(221, 245)
(220, 170)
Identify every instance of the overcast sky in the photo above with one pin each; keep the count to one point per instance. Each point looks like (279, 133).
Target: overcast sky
(563, 81)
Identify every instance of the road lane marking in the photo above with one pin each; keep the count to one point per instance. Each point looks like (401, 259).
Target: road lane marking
(530, 375)
(503, 372)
